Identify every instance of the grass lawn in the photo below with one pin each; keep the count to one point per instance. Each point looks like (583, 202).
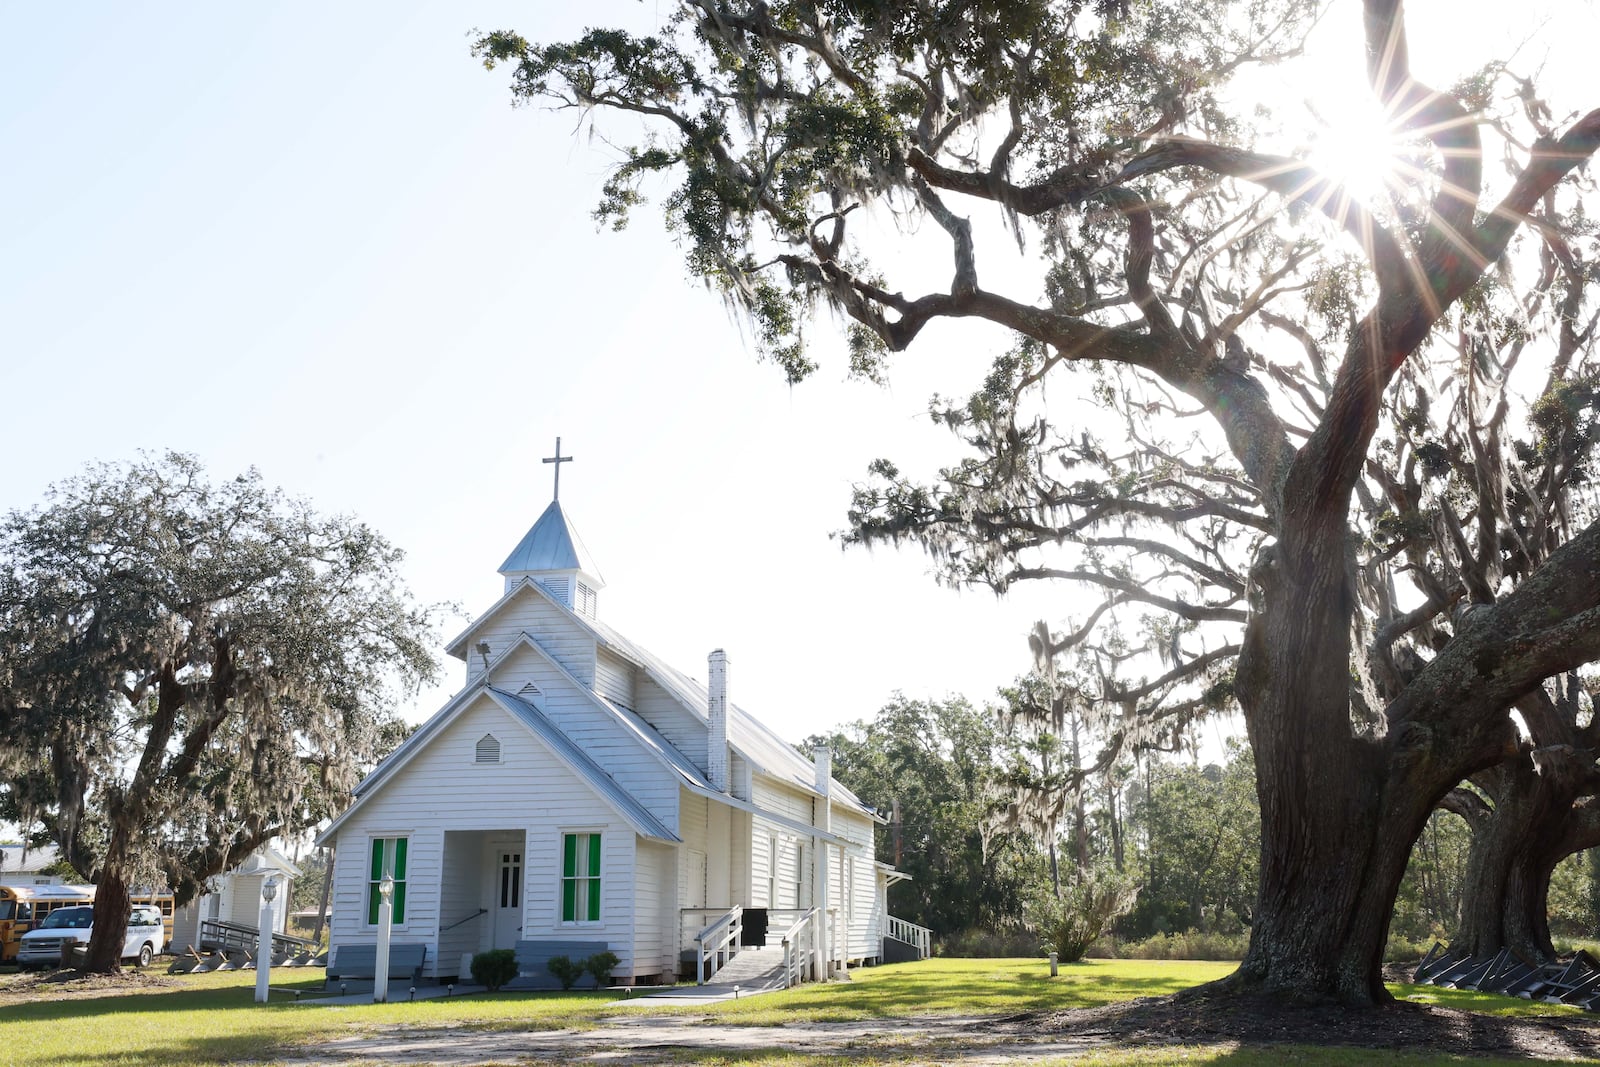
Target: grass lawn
(211, 1019)
(945, 986)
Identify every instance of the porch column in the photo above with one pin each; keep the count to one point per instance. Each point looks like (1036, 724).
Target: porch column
(821, 818)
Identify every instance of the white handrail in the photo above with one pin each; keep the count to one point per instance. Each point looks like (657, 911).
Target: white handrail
(912, 934)
(719, 942)
(794, 963)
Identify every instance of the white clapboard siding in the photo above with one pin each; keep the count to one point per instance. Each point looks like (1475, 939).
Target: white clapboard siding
(739, 776)
(782, 799)
(443, 788)
(692, 817)
(682, 728)
(542, 916)
(529, 612)
(613, 677)
(852, 883)
(740, 848)
(594, 729)
(656, 910)
(465, 885)
(790, 845)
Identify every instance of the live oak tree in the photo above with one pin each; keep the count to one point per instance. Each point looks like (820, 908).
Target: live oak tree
(189, 669)
(1190, 270)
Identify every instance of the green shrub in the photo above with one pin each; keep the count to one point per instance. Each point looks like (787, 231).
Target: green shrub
(978, 943)
(1404, 950)
(599, 966)
(1193, 945)
(494, 968)
(566, 972)
(1068, 925)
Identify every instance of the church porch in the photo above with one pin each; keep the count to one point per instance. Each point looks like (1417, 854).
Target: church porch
(483, 891)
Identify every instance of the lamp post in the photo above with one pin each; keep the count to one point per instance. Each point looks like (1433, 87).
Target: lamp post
(269, 890)
(380, 972)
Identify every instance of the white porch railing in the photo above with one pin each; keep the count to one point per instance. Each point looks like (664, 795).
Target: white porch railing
(800, 950)
(718, 943)
(912, 934)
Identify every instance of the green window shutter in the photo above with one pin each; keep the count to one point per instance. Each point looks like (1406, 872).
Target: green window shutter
(594, 877)
(399, 859)
(399, 915)
(372, 883)
(569, 858)
(569, 899)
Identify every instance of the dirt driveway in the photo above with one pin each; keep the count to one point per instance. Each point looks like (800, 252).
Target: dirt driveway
(1195, 1018)
(665, 1039)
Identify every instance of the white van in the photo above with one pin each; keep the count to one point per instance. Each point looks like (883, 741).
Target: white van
(47, 945)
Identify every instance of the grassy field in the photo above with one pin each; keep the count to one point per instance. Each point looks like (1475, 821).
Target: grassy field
(944, 986)
(211, 1019)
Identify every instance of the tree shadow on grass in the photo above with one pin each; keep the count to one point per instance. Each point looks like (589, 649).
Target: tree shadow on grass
(1211, 1015)
(911, 994)
(88, 1004)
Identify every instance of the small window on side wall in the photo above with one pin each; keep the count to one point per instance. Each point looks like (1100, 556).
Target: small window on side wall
(580, 878)
(488, 750)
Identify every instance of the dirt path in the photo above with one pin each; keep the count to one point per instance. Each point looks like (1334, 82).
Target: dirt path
(985, 1041)
(663, 1039)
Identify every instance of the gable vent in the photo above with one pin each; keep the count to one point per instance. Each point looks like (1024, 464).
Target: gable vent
(529, 690)
(488, 750)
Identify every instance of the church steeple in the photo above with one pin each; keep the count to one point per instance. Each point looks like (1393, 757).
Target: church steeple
(552, 554)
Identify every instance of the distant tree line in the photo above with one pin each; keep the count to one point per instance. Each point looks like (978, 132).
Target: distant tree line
(963, 788)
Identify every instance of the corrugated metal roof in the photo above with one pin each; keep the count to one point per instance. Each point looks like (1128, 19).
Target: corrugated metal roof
(569, 751)
(552, 544)
(749, 736)
(651, 738)
(16, 858)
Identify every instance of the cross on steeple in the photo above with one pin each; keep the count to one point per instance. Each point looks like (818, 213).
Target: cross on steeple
(558, 459)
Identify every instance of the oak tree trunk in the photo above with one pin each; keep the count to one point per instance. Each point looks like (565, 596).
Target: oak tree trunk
(1340, 809)
(111, 911)
(1527, 906)
(1541, 814)
(1510, 861)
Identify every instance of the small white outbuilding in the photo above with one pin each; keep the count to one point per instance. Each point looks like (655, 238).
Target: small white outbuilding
(235, 897)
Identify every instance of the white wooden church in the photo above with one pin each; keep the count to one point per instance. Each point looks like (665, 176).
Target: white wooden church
(579, 794)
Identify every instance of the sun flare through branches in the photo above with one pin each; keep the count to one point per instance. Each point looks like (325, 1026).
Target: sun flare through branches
(1359, 147)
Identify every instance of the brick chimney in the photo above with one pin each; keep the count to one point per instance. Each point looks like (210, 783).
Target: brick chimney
(717, 714)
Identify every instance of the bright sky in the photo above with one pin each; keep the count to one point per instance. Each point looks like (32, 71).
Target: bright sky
(316, 239)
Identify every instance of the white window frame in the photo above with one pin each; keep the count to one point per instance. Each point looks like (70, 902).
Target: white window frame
(366, 874)
(599, 876)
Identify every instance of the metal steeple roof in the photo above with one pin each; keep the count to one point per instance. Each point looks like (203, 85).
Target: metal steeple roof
(551, 545)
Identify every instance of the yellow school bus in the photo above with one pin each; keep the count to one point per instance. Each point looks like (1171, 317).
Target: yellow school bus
(25, 905)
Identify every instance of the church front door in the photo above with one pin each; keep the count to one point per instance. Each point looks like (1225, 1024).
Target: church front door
(507, 890)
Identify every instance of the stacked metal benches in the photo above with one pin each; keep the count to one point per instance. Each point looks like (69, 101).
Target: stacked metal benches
(228, 946)
(1575, 982)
